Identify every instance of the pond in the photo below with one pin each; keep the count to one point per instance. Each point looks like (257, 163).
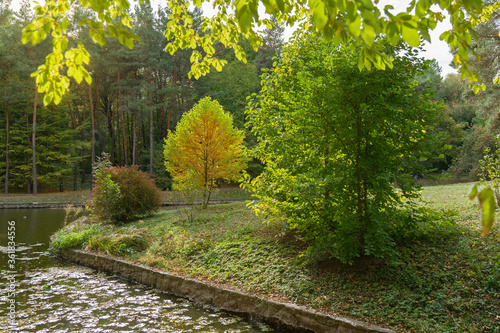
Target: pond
(40, 293)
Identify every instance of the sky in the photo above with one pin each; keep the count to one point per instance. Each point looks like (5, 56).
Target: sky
(437, 49)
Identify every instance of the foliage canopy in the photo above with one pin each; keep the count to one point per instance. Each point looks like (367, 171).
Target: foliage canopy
(340, 20)
(340, 145)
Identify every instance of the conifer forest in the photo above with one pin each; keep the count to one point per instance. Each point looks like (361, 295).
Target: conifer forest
(138, 95)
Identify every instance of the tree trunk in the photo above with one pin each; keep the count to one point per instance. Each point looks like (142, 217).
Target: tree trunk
(205, 202)
(150, 126)
(97, 107)
(174, 84)
(75, 178)
(61, 184)
(28, 178)
(28, 183)
(7, 136)
(93, 133)
(73, 124)
(83, 135)
(134, 139)
(161, 97)
(33, 144)
(125, 157)
(359, 199)
(109, 119)
(169, 113)
(117, 131)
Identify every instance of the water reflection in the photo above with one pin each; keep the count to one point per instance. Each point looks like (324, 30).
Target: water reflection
(52, 296)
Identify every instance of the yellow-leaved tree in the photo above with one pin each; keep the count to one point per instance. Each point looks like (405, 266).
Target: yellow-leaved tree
(205, 147)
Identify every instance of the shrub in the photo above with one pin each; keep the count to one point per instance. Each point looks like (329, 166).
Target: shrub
(124, 193)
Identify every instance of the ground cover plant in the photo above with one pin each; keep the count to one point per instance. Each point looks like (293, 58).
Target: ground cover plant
(445, 278)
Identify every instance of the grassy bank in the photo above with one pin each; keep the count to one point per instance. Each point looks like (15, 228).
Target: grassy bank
(446, 278)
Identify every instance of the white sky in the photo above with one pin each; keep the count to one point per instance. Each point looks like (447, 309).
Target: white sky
(437, 49)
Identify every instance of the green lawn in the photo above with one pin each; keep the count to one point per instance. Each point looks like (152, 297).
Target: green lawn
(446, 278)
(67, 196)
(226, 193)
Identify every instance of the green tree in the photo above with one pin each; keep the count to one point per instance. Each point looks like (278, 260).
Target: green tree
(272, 43)
(359, 20)
(479, 113)
(205, 147)
(231, 88)
(340, 144)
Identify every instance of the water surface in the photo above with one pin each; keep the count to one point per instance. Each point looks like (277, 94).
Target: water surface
(53, 296)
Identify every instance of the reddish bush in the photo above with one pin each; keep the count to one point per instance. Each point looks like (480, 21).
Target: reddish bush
(137, 194)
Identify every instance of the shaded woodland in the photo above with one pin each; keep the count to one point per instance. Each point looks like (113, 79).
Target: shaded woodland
(136, 97)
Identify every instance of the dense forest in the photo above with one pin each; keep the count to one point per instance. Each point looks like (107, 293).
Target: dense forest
(137, 96)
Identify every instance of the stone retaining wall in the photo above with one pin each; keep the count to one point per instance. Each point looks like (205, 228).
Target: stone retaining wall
(29, 205)
(287, 315)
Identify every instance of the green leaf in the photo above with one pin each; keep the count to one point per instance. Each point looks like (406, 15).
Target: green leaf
(58, 93)
(410, 33)
(392, 33)
(195, 57)
(26, 37)
(71, 71)
(47, 99)
(77, 74)
(65, 82)
(489, 206)
(473, 192)
(319, 13)
(126, 21)
(32, 26)
(355, 26)
(170, 48)
(98, 37)
(65, 24)
(422, 7)
(245, 22)
(368, 34)
(484, 195)
(86, 76)
(169, 34)
(217, 64)
(36, 37)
